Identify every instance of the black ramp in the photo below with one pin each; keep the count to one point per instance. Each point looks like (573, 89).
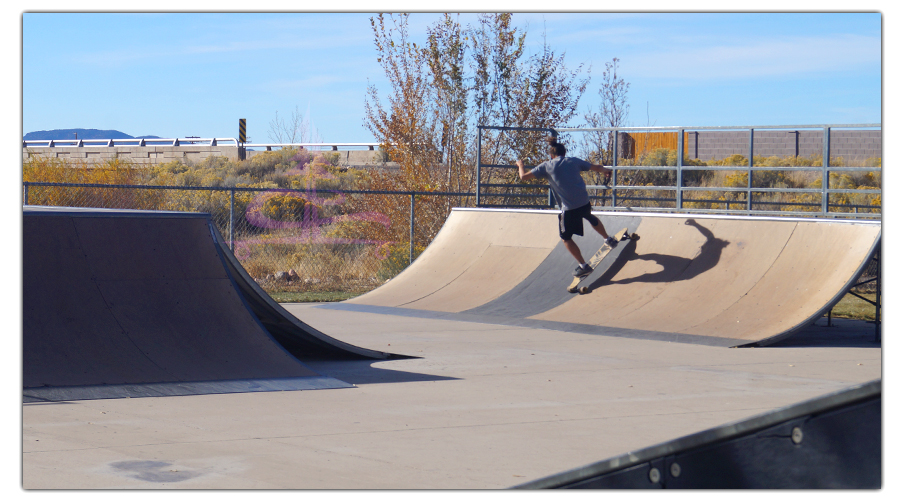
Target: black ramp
(829, 442)
(127, 304)
(302, 340)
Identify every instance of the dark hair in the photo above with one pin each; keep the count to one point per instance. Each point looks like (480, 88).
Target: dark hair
(556, 148)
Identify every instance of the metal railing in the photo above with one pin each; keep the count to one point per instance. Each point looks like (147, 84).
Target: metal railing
(612, 196)
(193, 141)
(316, 146)
(141, 142)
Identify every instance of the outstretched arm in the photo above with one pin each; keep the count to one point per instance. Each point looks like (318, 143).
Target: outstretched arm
(607, 173)
(525, 176)
(601, 169)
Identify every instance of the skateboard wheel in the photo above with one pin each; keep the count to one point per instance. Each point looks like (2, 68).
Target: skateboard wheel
(583, 290)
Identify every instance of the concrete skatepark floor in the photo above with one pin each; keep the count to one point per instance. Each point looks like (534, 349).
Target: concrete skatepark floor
(481, 406)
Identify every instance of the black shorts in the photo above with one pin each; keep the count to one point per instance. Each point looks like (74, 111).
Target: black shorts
(570, 221)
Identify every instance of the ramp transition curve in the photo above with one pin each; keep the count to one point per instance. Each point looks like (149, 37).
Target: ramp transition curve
(712, 280)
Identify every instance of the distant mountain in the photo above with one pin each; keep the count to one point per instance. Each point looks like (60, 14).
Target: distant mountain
(83, 133)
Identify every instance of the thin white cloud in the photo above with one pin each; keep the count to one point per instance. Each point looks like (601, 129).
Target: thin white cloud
(322, 81)
(606, 34)
(163, 53)
(782, 56)
(239, 34)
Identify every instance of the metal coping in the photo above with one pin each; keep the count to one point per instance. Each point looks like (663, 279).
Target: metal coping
(673, 215)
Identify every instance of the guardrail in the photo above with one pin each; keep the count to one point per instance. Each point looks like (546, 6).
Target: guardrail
(316, 145)
(178, 141)
(751, 205)
(192, 141)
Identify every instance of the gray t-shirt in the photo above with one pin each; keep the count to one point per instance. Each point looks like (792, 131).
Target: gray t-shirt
(564, 175)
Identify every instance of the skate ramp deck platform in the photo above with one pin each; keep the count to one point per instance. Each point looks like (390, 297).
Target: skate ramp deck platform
(130, 303)
(713, 280)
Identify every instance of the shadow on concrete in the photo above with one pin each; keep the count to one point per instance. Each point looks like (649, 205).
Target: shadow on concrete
(361, 372)
(842, 333)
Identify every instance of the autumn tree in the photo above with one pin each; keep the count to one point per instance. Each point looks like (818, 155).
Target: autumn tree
(446, 51)
(511, 90)
(613, 112)
(463, 77)
(614, 107)
(408, 128)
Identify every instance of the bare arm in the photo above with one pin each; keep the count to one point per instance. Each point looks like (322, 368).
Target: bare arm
(525, 176)
(601, 169)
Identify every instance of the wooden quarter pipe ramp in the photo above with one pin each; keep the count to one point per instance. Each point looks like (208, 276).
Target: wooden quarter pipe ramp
(711, 280)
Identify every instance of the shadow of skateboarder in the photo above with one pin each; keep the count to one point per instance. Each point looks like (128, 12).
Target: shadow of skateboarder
(674, 268)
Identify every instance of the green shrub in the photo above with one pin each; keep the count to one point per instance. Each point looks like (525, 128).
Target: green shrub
(287, 207)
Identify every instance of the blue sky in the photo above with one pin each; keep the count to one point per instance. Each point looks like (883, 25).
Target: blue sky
(184, 74)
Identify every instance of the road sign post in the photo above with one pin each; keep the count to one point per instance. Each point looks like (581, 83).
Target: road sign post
(242, 138)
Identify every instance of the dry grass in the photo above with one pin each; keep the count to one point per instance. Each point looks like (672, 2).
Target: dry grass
(855, 308)
(287, 297)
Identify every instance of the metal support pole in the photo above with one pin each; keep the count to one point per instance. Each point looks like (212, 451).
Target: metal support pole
(679, 163)
(750, 175)
(478, 170)
(615, 163)
(26, 193)
(412, 225)
(826, 163)
(231, 222)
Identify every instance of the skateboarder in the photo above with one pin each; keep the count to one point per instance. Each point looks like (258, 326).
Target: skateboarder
(564, 175)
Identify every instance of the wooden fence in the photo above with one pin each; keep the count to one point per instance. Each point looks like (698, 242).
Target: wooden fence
(637, 144)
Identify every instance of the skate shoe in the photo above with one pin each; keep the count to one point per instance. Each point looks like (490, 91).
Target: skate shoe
(582, 271)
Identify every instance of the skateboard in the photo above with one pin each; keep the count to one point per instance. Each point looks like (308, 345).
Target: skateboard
(601, 253)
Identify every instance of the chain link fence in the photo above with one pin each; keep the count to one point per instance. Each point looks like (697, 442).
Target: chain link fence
(288, 240)
(297, 240)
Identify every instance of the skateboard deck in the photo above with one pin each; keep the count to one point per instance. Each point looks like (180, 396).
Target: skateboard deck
(601, 253)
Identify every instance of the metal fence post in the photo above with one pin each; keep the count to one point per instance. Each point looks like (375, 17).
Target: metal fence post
(679, 162)
(412, 225)
(25, 187)
(750, 174)
(231, 221)
(478, 170)
(826, 162)
(615, 163)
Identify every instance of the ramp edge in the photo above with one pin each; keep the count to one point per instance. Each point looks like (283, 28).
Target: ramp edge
(855, 395)
(166, 389)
